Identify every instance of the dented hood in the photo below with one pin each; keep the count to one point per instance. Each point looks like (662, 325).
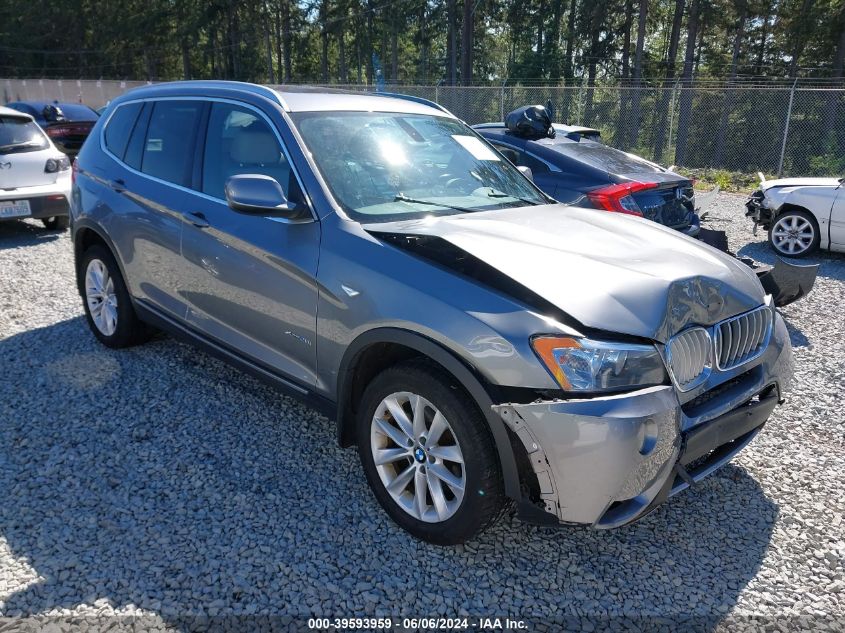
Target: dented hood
(606, 270)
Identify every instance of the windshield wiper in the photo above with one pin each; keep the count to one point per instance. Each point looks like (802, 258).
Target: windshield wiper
(498, 194)
(403, 198)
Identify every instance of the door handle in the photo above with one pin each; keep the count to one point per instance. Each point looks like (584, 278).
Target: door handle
(117, 185)
(197, 219)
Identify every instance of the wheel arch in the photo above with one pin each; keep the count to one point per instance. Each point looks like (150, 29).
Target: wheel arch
(85, 235)
(792, 206)
(375, 350)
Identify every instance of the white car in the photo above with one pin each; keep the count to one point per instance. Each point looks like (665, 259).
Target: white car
(35, 177)
(800, 214)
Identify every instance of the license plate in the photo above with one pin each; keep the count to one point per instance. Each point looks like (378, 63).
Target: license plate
(14, 208)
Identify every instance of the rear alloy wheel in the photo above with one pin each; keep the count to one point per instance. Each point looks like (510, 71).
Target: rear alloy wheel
(56, 223)
(108, 306)
(794, 234)
(428, 454)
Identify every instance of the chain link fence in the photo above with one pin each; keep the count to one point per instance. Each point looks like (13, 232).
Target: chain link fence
(779, 129)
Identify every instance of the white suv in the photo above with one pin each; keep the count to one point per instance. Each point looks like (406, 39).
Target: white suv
(35, 177)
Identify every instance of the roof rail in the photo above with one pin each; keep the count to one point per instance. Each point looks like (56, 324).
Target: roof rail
(421, 100)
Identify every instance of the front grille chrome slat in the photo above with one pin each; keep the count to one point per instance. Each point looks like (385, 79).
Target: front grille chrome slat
(749, 334)
(689, 357)
(692, 354)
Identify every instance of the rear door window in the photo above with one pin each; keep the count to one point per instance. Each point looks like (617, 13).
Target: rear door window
(522, 159)
(170, 142)
(119, 127)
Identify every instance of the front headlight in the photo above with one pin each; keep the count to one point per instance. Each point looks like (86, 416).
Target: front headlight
(580, 364)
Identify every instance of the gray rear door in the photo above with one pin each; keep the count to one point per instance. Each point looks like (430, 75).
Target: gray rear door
(150, 194)
(249, 280)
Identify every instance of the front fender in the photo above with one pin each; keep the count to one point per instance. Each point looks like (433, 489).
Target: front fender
(452, 364)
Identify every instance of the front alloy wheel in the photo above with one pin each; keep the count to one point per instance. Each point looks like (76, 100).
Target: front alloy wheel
(794, 234)
(417, 457)
(428, 453)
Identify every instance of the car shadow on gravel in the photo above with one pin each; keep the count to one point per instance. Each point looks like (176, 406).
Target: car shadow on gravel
(17, 233)
(159, 478)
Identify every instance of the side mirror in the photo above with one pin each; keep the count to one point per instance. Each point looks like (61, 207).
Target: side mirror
(256, 194)
(526, 171)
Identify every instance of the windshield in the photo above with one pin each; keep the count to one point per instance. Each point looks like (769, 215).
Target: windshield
(383, 166)
(20, 135)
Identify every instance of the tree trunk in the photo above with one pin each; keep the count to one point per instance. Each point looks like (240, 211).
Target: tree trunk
(553, 41)
(540, 66)
(568, 68)
(836, 100)
(277, 28)
(663, 107)
(423, 63)
(341, 56)
(368, 50)
(466, 44)
(621, 136)
(186, 59)
(636, 97)
(394, 45)
(358, 59)
(451, 48)
(286, 37)
(800, 37)
(727, 105)
(763, 37)
(324, 55)
(686, 81)
(268, 47)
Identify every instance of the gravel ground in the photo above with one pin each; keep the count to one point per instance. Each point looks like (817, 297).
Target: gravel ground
(158, 481)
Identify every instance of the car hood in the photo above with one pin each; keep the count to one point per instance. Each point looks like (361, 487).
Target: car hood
(606, 270)
(799, 182)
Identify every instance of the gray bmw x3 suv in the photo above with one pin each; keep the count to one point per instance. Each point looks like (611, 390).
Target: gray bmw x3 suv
(482, 345)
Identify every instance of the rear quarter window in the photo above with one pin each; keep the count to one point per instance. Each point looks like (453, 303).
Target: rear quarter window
(119, 127)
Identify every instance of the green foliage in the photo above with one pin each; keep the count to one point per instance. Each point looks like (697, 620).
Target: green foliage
(727, 181)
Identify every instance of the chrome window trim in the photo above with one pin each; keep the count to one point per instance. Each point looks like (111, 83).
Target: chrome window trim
(249, 106)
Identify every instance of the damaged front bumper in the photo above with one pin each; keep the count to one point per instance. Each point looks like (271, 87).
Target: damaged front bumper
(608, 461)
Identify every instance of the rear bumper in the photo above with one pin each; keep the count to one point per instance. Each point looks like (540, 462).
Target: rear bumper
(608, 461)
(45, 201)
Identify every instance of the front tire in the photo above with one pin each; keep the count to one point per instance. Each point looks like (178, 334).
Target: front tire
(108, 306)
(56, 223)
(428, 454)
(794, 233)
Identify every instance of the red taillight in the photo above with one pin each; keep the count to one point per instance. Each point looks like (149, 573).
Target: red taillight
(58, 131)
(618, 197)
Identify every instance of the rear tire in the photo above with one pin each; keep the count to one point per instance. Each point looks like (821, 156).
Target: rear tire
(442, 448)
(56, 223)
(794, 233)
(108, 306)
